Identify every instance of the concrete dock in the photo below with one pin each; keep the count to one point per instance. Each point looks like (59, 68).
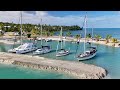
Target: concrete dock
(77, 69)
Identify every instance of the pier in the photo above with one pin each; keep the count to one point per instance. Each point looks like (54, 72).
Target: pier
(77, 69)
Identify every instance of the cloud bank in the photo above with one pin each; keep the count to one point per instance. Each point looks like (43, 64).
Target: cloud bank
(34, 17)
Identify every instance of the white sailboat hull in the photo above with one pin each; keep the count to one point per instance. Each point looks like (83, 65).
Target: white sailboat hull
(86, 58)
(26, 51)
(25, 48)
(22, 51)
(42, 52)
(62, 54)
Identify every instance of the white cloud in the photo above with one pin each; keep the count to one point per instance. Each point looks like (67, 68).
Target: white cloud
(34, 17)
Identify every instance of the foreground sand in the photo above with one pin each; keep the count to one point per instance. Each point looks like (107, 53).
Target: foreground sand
(77, 69)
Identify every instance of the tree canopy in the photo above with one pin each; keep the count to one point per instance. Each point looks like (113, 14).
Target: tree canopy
(12, 27)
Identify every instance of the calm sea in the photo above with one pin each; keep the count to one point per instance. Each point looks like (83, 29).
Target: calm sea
(115, 32)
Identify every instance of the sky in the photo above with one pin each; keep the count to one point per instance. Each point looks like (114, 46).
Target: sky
(95, 19)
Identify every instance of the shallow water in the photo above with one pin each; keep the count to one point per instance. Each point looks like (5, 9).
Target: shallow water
(107, 57)
(17, 72)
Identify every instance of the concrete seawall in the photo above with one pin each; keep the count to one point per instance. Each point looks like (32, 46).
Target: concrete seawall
(77, 69)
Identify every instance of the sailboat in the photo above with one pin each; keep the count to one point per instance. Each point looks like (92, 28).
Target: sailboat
(42, 49)
(23, 48)
(87, 54)
(62, 51)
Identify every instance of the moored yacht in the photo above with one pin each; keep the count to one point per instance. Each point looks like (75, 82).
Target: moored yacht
(62, 52)
(87, 54)
(25, 48)
(42, 50)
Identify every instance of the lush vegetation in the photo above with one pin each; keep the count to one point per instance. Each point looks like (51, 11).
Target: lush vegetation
(33, 30)
(68, 34)
(9, 27)
(108, 37)
(88, 36)
(114, 40)
(98, 37)
(78, 37)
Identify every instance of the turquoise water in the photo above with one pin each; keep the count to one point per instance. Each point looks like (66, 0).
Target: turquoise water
(107, 57)
(17, 72)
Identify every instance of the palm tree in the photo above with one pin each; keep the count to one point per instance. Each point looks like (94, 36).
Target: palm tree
(98, 37)
(68, 34)
(114, 40)
(77, 37)
(52, 33)
(108, 37)
(88, 36)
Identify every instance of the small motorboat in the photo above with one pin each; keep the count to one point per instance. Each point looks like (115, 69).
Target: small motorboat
(42, 50)
(62, 52)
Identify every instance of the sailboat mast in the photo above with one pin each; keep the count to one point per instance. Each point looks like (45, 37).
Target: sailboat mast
(85, 32)
(61, 37)
(92, 32)
(21, 26)
(41, 31)
(92, 35)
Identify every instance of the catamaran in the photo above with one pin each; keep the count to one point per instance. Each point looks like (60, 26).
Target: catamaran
(42, 49)
(89, 53)
(62, 51)
(23, 48)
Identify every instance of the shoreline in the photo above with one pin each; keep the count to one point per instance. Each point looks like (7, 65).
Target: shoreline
(76, 69)
(9, 42)
(71, 39)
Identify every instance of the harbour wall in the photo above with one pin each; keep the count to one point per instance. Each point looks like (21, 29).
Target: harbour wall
(77, 69)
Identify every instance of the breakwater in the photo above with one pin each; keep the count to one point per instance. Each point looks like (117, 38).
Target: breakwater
(77, 69)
